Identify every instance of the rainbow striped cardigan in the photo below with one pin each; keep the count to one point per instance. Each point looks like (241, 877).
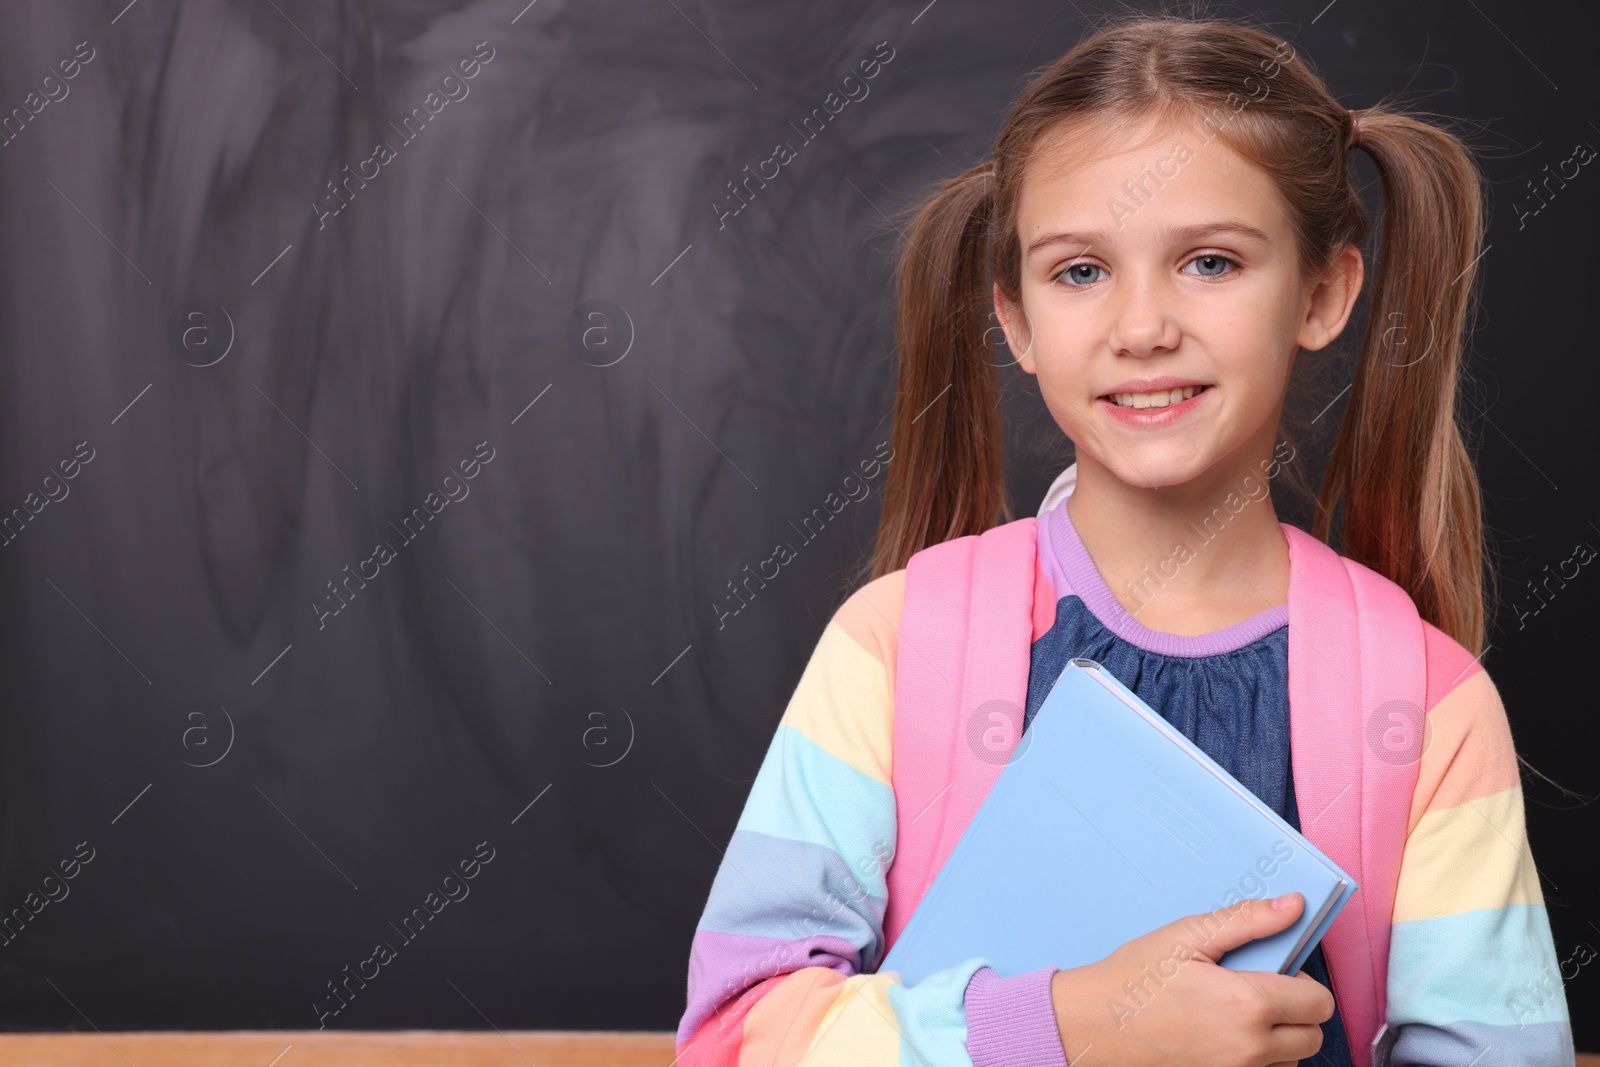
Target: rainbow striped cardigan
(1400, 746)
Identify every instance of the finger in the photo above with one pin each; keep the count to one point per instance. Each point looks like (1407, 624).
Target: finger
(1301, 999)
(1319, 995)
(1295, 1043)
(1219, 931)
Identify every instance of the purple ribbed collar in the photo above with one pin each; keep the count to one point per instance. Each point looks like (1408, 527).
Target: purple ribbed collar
(1071, 570)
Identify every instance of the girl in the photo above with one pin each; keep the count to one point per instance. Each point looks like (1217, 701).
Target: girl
(1167, 220)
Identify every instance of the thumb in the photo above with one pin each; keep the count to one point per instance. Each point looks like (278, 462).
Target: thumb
(1214, 933)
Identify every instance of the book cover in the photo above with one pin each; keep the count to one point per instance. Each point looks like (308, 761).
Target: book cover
(1106, 823)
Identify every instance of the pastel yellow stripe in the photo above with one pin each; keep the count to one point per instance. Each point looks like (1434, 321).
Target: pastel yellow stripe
(1468, 857)
(1468, 751)
(859, 1026)
(843, 704)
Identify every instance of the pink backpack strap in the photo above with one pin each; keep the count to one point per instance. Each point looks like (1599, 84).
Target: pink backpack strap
(1357, 686)
(961, 685)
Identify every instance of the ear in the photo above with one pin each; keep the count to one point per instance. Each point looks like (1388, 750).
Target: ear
(1019, 336)
(1330, 299)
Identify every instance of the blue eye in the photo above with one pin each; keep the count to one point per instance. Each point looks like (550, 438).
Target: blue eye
(1070, 272)
(1213, 260)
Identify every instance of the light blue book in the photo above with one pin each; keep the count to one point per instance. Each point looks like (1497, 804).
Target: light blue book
(1106, 823)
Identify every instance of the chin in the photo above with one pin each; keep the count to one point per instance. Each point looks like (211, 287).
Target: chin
(1157, 474)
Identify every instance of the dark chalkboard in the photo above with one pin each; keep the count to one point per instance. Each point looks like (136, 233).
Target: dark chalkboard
(392, 393)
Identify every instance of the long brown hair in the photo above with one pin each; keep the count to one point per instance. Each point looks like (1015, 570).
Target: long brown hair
(1399, 465)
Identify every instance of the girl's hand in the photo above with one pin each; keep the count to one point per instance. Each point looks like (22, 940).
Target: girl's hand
(1161, 1000)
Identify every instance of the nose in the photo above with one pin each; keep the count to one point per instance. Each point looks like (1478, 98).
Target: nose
(1142, 322)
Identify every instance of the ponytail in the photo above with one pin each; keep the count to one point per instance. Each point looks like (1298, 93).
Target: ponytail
(947, 479)
(1400, 466)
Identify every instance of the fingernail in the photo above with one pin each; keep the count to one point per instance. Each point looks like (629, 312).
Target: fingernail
(1282, 903)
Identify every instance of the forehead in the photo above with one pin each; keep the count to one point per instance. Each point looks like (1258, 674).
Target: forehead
(1153, 176)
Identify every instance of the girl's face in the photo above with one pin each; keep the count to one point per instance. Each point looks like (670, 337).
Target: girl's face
(1165, 262)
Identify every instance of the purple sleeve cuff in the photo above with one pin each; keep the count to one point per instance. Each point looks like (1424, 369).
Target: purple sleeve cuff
(1012, 1021)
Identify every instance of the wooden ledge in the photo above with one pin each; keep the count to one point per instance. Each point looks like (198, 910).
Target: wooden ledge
(378, 1048)
(330, 1048)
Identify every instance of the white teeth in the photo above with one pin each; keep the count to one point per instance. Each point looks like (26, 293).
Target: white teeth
(1155, 400)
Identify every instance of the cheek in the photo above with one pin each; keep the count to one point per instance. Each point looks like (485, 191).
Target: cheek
(1061, 352)
(1064, 396)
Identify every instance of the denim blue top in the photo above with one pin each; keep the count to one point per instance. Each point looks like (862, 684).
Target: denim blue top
(1227, 691)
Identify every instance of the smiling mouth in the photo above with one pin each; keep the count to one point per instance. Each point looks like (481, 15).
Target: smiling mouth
(1161, 399)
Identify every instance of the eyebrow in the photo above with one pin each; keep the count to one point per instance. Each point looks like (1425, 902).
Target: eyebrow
(1237, 227)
